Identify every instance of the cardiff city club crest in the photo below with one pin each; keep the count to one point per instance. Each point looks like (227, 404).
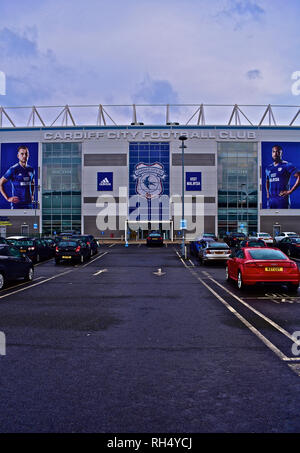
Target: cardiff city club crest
(149, 180)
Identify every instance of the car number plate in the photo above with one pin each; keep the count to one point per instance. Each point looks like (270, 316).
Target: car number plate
(66, 257)
(22, 251)
(219, 253)
(273, 269)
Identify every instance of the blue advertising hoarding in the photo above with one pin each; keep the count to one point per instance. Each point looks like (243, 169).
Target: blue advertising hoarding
(280, 175)
(19, 176)
(193, 181)
(104, 181)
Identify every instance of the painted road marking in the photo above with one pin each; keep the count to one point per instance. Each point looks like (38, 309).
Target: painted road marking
(112, 245)
(98, 257)
(35, 284)
(256, 332)
(100, 272)
(159, 272)
(258, 313)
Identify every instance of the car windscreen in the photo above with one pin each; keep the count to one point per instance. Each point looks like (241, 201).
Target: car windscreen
(154, 235)
(263, 235)
(296, 240)
(82, 238)
(218, 246)
(292, 234)
(267, 254)
(24, 243)
(68, 244)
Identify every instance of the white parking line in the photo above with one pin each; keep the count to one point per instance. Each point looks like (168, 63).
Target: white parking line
(258, 313)
(111, 245)
(90, 262)
(259, 335)
(35, 284)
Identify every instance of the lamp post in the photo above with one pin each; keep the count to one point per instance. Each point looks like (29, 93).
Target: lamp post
(182, 138)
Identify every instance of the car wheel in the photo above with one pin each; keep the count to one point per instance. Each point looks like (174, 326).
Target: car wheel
(293, 288)
(240, 283)
(227, 274)
(30, 274)
(2, 281)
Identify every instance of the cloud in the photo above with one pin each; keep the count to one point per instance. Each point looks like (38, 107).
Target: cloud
(155, 92)
(220, 52)
(254, 74)
(242, 12)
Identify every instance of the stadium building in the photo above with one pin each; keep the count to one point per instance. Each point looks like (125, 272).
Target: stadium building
(111, 179)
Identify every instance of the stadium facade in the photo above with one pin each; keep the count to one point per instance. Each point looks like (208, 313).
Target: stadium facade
(107, 180)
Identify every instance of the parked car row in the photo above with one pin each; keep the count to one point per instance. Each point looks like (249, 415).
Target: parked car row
(19, 253)
(253, 260)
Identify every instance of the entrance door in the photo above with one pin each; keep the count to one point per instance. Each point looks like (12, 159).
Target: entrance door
(276, 230)
(24, 230)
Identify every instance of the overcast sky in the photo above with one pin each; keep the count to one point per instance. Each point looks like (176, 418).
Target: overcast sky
(57, 52)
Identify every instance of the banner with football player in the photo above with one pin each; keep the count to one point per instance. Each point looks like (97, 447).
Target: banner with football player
(19, 176)
(280, 175)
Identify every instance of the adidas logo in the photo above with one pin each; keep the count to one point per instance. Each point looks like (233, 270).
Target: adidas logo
(105, 182)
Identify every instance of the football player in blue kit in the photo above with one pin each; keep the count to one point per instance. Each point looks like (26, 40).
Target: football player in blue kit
(21, 176)
(278, 175)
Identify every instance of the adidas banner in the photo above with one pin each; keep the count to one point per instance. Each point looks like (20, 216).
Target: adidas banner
(105, 181)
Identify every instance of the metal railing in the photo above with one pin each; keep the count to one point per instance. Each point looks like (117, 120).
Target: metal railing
(150, 115)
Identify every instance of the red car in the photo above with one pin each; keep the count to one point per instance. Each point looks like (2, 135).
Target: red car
(251, 266)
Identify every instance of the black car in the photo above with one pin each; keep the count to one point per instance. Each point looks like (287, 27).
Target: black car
(232, 239)
(14, 265)
(89, 240)
(155, 238)
(251, 243)
(36, 249)
(72, 250)
(290, 246)
(51, 244)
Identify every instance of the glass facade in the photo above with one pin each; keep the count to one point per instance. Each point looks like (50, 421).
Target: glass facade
(237, 187)
(61, 187)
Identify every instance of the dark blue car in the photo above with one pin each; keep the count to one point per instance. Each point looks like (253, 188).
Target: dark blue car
(198, 244)
(14, 265)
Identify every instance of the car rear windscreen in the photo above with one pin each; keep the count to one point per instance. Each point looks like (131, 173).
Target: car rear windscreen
(218, 246)
(267, 254)
(23, 243)
(68, 244)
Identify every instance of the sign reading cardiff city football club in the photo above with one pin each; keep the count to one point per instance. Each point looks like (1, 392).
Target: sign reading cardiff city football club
(192, 181)
(19, 170)
(104, 181)
(149, 180)
(280, 175)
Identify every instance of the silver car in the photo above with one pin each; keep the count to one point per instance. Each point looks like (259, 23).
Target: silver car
(214, 251)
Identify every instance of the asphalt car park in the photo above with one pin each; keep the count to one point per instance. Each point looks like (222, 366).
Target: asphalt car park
(138, 339)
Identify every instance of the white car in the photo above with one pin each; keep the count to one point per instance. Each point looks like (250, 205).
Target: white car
(285, 234)
(264, 236)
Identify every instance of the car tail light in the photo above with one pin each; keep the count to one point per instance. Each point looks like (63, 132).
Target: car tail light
(56, 249)
(77, 249)
(250, 264)
(297, 245)
(88, 243)
(208, 252)
(31, 248)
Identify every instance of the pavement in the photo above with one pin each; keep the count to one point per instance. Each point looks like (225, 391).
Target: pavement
(117, 346)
